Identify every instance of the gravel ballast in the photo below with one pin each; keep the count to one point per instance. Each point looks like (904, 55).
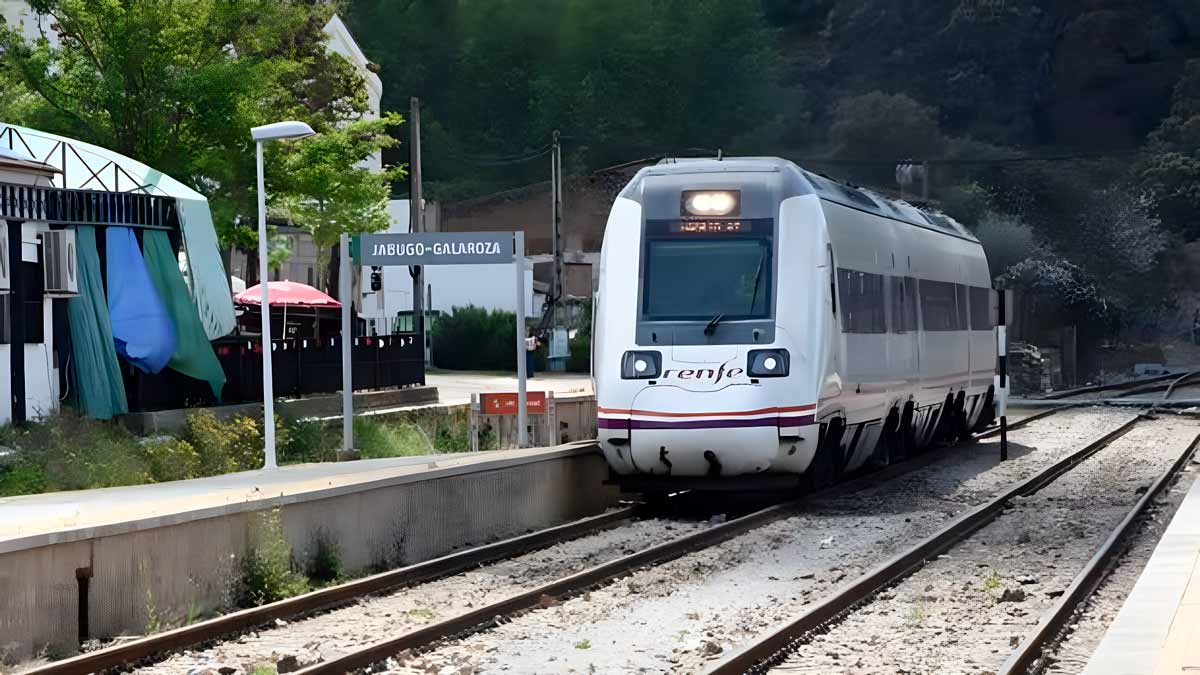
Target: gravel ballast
(326, 635)
(1088, 626)
(682, 615)
(966, 611)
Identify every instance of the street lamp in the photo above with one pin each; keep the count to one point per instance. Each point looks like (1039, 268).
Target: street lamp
(269, 132)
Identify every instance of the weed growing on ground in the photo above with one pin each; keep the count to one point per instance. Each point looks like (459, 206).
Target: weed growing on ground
(583, 644)
(917, 613)
(992, 583)
(263, 670)
(153, 622)
(267, 571)
(326, 563)
(421, 613)
(72, 452)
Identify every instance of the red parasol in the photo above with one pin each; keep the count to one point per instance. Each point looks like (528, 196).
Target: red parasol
(287, 294)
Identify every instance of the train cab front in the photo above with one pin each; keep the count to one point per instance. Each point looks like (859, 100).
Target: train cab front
(711, 384)
(705, 412)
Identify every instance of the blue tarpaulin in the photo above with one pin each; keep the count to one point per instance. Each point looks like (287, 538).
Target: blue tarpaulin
(141, 328)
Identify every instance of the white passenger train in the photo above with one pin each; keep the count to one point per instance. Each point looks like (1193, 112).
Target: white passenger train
(756, 319)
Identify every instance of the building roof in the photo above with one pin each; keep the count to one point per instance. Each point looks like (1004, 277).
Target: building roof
(19, 159)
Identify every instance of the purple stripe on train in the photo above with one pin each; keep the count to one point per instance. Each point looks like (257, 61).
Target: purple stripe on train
(625, 423)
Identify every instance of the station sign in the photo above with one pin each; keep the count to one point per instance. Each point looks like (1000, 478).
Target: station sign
(506, 403)
(434, 248)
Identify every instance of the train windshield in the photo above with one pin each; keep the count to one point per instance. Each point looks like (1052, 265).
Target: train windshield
(705, 277)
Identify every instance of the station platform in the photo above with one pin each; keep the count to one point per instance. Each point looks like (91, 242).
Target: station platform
(66, 515)
(1157, 631)
(456, 387)
(103, 563)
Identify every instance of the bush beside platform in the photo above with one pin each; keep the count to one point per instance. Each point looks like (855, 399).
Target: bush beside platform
(71, 452)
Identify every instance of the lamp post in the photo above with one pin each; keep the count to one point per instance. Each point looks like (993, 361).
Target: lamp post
(269, 132)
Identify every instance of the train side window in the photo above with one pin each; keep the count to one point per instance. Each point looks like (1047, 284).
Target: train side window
(939, 307)
(903, 298)
(981, 308)
(862, 298)
(832, 280)
(960, 294)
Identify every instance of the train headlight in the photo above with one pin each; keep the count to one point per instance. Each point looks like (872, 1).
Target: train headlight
(711, 202)
(768, 363)
(641, 365)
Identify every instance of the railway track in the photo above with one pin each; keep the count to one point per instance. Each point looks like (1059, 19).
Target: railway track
(775, 646)
(231, 625)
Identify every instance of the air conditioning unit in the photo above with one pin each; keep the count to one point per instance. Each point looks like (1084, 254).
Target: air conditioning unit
(6, 265)
(60, 263)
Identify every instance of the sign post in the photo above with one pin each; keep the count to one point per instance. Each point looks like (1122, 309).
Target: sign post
(518, 264)
(444, 248)
(1002, 361)
(347, 341)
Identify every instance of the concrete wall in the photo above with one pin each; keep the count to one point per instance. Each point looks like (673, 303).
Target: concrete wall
(172, 564)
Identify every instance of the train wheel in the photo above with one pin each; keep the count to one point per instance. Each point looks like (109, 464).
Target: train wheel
(942, 430)
(961, 432)
(988, 415)
(826, 464)
(906, 433)
(890, 437)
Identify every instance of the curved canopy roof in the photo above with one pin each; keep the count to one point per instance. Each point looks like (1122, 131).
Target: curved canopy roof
(83, 166)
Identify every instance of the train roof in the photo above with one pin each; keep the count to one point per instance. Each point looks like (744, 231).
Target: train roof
(825, 188)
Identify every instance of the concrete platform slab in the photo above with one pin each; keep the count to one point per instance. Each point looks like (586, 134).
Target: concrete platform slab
(457, 386)
(1157, 630)
(164, 551)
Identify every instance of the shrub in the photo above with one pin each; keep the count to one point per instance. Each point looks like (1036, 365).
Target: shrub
(171, 459)
(309, 441)
(375, 440)
(1006, 241)
(22, 479)
(472, 338)
(209, 437)
(233, 445)
(326, 563)
(580, 360)
(267, 571)
(70, 452)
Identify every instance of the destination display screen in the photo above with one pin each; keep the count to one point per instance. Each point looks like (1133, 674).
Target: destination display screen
(708, 227)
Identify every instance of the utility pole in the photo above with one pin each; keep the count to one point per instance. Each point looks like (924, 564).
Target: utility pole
(416, 216)
(556, 196)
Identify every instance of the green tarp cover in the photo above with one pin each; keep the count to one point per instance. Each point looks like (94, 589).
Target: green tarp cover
(97, 388)
(194, 354)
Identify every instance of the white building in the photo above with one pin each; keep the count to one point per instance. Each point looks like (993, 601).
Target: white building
(41, 369)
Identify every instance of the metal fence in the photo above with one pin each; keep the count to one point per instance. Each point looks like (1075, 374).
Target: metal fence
(300, 366)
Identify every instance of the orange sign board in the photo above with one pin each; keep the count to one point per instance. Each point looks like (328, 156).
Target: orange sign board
(506, 403)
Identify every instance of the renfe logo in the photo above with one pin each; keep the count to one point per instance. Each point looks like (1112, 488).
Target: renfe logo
(704, 374)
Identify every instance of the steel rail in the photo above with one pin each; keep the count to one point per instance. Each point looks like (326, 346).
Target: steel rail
(147, 647)
(490, 615)
(327, 598)
(1090, 577)
(769, 646)
(1176, 382)
(993, 431)
(1067, 393)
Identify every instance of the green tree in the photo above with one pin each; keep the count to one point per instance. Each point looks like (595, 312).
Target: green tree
(327, 189)
(1171, 169)
(178, 85)
(887, 126)
(620, 79)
